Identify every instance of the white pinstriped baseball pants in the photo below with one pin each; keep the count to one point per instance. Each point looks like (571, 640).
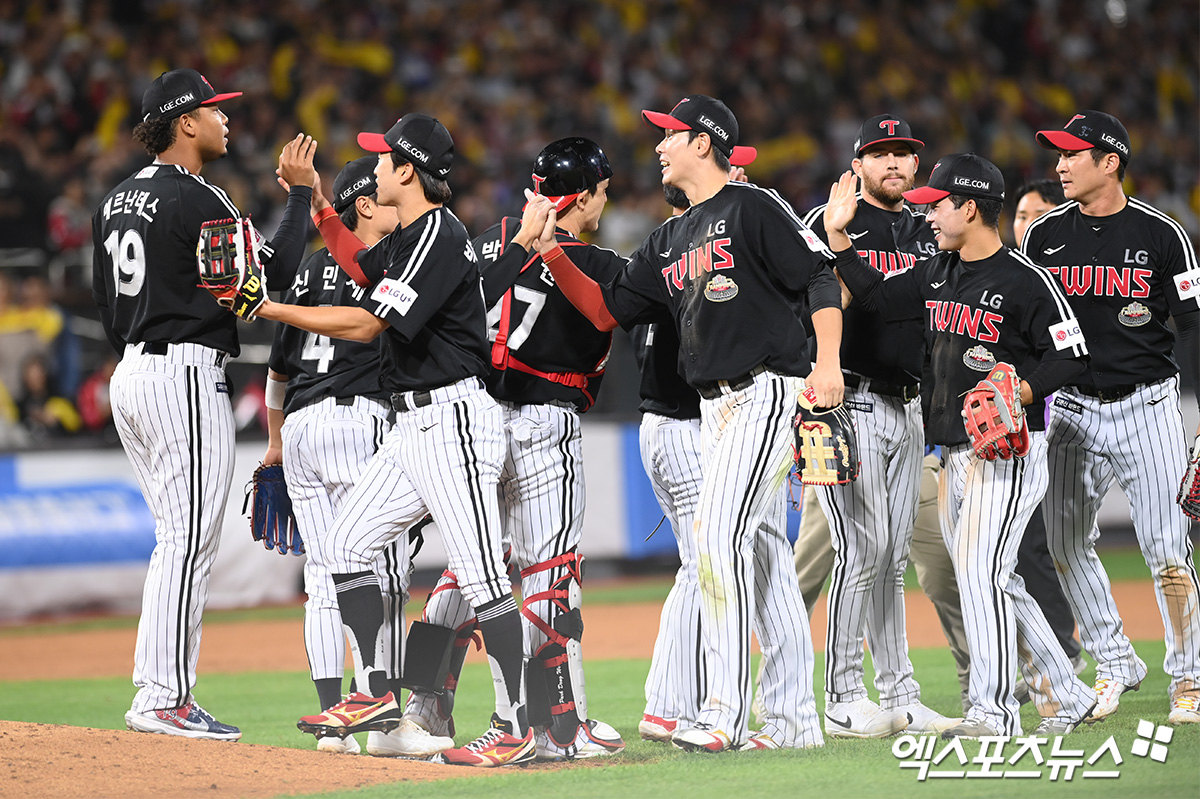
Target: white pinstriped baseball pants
(871, 526)
(985, 506)
(173, 415)
(746, 439)
(1140, 442)
(326, 446)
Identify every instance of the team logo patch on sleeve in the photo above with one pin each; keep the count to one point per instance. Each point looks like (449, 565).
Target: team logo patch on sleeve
(1188, 284)
(1066, 334)
(979, 358)
(222, 388)
(721, 289)
(1134, 315)
(395, 294)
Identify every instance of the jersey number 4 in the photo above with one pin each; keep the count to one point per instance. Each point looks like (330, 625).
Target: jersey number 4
(128, 255)
(534, 299)
(318, 348)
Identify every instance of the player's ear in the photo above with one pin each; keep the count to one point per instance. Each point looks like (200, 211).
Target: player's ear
(364, 206)
(916, 161)
(856, 167)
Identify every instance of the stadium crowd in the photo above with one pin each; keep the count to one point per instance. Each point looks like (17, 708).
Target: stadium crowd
(508, 77)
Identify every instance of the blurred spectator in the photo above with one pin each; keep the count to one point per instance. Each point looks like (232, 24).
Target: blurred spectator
(49, 322)
(17, 340)
(95, 407)
(41, 410)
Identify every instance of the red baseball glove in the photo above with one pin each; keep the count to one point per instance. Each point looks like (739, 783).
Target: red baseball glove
(994, 417)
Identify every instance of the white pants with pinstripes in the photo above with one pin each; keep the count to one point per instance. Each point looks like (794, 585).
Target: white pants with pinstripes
(676, 682)
(1140, 442)
(746, 441)
(173, 414)
(542, 496)
(444, 459)
(871, 526)
(326, 446)
(985, 506)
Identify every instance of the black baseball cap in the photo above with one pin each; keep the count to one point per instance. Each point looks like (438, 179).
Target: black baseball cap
(883, 128)
(418, 137)
(1086, 130)
(174, 93)
(705, 114)
(356, 179)
(963, 173)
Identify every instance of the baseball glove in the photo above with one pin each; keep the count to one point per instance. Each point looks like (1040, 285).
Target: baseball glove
(994, 417)
(271, 520)
(1189, 490)
(227, 259)
(826, 449)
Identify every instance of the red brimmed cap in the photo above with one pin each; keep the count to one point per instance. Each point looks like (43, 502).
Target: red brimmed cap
(885, 128)
(420, 138)
(174, 93)
(703, 114)
(1086, 130)
(963, 173)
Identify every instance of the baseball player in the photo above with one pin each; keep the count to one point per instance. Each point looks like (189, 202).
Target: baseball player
(446, 450)
(871, 519)
(1033, 200)
(547, 365)
(670, 446)
(984, 305)
(328, 417)
(1126, 267)
(170, 395)
(738, 262)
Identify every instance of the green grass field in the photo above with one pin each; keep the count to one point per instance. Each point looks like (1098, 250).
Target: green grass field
(266, 706)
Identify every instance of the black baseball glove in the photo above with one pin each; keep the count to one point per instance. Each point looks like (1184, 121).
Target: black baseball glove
(271, 519)
(826, 449)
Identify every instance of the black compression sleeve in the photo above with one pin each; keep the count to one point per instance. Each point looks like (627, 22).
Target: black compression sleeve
(863, 281)
(290, 239)
(1051, 375)
(1188, 350)
(499, 277)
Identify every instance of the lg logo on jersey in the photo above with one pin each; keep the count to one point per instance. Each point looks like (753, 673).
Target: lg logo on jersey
(1141, 257)
(1188, 284)
(395, 294)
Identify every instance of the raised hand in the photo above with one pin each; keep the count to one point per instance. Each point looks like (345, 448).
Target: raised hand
(296, 162)
(841, 209)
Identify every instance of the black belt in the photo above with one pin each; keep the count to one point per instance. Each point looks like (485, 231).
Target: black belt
(420, 399)
(908, 393)
(345, 400)
(1110, 394)
(713, 390)
(161, 348)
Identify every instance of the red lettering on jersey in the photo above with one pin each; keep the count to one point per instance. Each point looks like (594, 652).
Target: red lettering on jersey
(1118, 281)
(1076, 279)
(968, 322)
(703, 258)
(1141, 278)
(718, 250)
(964, 321)
(888, 262)
(990, 320)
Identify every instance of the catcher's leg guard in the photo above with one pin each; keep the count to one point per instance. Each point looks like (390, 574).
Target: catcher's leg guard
(448, 611)
(561, 657)
(427, 657)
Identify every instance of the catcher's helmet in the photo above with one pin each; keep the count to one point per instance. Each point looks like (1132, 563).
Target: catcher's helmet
(566, 168)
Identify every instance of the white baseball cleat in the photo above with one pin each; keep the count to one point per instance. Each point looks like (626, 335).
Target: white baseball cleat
(1185, 710)
(702, 738)
(409, 739)
(1108, 697)
(592, 739)
(655, 728)
(758, 740)
(862, 718)
(923, 719)
(970, 729)
(338, 746)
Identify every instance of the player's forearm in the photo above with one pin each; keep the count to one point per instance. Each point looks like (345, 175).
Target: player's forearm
(335, 321)
(827, 327)
(290, 238)
(863, 282)
(583, 292)
(342, 244)
(500, 276)
(1187, 350)
(1050, 376)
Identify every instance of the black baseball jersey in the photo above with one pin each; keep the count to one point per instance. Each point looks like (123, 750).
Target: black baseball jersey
(1002, 309)
(548, 350)
(431, 296)
(737, 271)
(319, 366)
(144, 274)
(663, 390)
(1123, 274)
(890, 241)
